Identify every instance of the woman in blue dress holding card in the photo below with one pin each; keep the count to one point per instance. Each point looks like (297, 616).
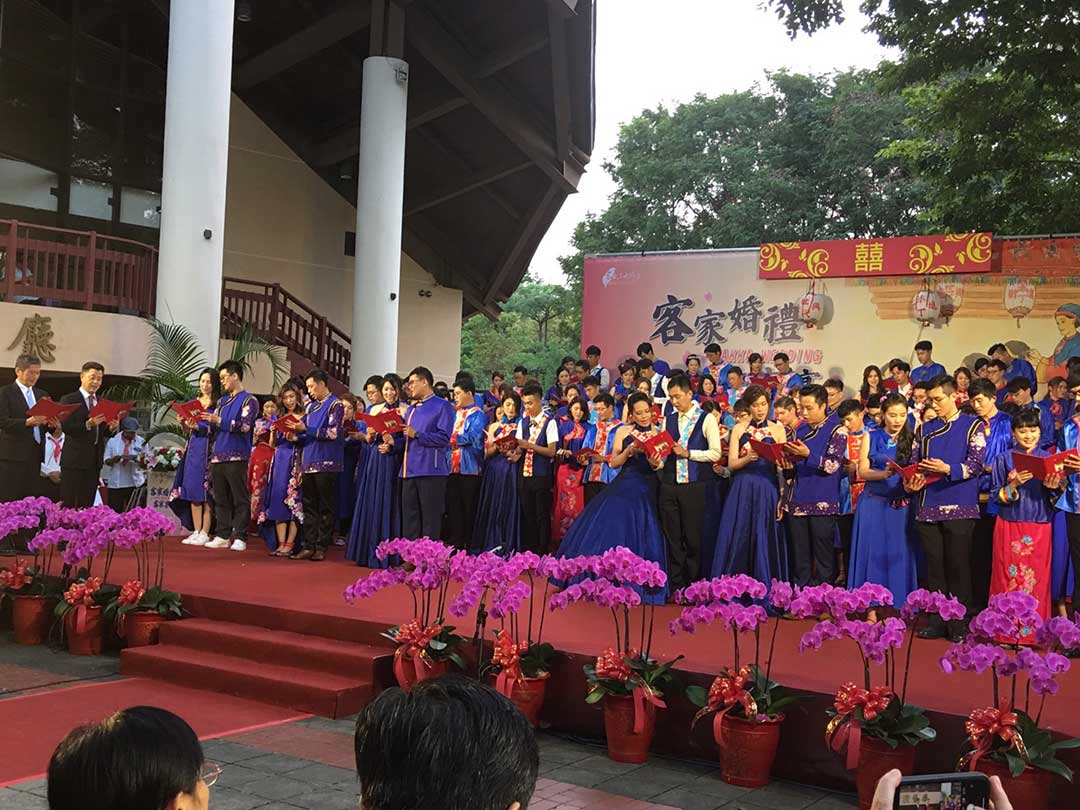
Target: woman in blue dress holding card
(190, 497)
(377, 515)
(884, 547)
(569, 478)
(625, 511)
(498, 512)
(750, 539)
(281, 510)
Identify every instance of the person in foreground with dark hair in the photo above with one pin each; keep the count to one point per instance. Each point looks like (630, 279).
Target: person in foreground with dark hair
(142, 758)
(449, 744)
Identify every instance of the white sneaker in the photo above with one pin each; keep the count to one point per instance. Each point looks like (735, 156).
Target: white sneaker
(238, 545)
(189, 540)
(200, 539)
(217, 542)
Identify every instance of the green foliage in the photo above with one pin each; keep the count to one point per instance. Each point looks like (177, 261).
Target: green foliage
(155, 600)
(1039, 746)
(647, 672)
(440, 648)
(769, 696)
(900, 724)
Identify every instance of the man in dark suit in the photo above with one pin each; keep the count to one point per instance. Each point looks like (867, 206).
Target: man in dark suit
(22, 437)
(84, 443)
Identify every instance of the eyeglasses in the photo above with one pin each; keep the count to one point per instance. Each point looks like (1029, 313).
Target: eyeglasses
(210, 773)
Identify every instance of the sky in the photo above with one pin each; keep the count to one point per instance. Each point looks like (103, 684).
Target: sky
(650, 52)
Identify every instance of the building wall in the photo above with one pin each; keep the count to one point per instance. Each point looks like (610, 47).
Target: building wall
(284, 224)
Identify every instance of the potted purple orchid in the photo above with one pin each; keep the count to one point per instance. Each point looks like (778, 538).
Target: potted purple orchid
(875, 723)
(32, 587)
(520, 659)
(425, 644)
(629, 681)
(746, 703)
(1004, 738)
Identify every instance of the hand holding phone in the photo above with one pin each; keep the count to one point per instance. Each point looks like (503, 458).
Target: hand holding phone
(962, 791)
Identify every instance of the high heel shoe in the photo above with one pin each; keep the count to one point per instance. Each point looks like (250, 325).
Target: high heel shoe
(285, 550)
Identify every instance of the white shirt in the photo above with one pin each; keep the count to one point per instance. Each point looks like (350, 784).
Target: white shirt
(603, 375)
(710, 429)
(31, 401)
(51, 464)
(551, 432)
(123, 473)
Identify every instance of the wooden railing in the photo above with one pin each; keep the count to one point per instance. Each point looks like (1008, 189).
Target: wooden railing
(284, 320)
(81, 269)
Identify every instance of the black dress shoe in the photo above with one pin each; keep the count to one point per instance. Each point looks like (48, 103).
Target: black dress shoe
(318, 556)
(1072, 652)
(931, 632)
(305, 554)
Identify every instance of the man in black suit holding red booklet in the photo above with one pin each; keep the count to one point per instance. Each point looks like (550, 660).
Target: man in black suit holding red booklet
(22, 437)
(85, 438)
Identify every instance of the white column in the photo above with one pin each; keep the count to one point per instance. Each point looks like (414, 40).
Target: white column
(379, 208)
(194, 173)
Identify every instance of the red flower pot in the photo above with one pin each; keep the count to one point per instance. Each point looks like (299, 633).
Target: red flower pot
(141, 627)
(623, 745)
(747, 750)
(405, 670)
(1030, 790)
(32, 617)
(83, 630)
(877, 758)
(528, 695)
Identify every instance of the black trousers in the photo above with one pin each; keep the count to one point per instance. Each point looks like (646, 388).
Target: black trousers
(1072, 528)
(78, 487)
(682, 517)
(811, 540)
(461, 494)
(534, 492)
(948, 548)
(118, 498)
(592, 489)
(423, 501)
(232, 502)
(18, 480)
(982, 560)
(320, 508)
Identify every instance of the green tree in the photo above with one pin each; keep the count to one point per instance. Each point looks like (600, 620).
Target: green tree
(994, 93)
(802, 160)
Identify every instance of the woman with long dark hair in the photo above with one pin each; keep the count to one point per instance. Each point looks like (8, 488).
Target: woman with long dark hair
(498, 512)
(282, 509)
(569, 477)
(884, 548)
(750, 539)
(190, 497)
(377, 515)
(625, 511)
(871, 384)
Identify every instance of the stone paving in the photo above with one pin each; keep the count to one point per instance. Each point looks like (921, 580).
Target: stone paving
(308, 764)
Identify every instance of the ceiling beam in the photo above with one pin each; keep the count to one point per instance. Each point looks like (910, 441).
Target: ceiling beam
(537, 219)
(431, 259)
(567, 9)
(560, 84)
(476, 181)
(320, 35)
(493, 101)
(447, 153)
(344, 143)
(510, 54)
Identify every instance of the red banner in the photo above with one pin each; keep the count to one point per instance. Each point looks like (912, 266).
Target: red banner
(1054, 257)
(868, 258)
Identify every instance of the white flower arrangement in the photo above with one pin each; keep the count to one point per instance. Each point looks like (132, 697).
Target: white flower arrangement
(162, 459)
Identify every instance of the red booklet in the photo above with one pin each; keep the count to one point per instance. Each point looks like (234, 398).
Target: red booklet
(350, 429)
(660, 444)
(53, 411)
(657, 412)
(1041, 466)
(112, 411)
(721, 399)
(585, 455)
(389, 421)
(772, 452)
(767, 380)
(289, 423)
(889, 384)
(506, 443)
(910, 471)
(188, 411)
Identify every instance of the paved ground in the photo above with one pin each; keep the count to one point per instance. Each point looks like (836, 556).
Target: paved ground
(309, 764)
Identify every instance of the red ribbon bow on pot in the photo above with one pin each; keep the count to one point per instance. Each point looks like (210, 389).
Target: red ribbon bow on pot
(728, 690)
(846, 727)
(413, 642)
(612, 664)
(16, 579)
(131, 593)
(985, 726)
(81, 596)
(507, 654)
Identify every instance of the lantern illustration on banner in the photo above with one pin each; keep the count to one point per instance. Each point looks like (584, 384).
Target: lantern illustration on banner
(926, 306)
(1019, 298)
(811, 306)
(950, 297)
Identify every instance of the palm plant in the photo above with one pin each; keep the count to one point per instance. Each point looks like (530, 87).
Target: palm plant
(175, 360)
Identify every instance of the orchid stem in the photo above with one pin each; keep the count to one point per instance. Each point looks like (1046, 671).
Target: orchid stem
(907, 663)
(772, 646)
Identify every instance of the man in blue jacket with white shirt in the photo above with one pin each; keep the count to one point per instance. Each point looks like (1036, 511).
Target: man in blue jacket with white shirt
(464, 460)
(429, 422)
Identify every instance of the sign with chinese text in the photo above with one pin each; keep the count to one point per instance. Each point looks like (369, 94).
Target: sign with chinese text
(895, 256)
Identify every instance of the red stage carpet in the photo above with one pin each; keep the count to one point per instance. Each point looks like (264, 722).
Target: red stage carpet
(33, 724)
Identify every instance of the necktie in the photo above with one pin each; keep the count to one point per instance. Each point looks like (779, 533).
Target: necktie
(30, 402)
(56, 451)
